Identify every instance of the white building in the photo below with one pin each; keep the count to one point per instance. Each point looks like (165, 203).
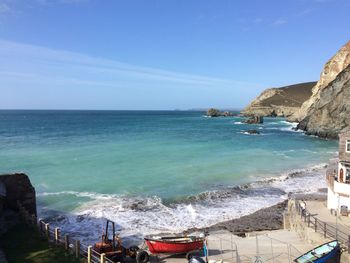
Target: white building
(338, 180)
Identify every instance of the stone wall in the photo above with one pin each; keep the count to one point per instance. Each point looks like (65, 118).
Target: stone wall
(19, 188)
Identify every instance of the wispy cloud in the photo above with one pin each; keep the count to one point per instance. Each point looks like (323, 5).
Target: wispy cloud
(79, 67)
(258, 20)
(4, 8)
(46, 2)
(305, 12)
(280, 21)
(39, 77)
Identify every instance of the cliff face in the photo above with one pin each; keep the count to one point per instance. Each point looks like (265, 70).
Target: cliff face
(19, 188)
(329, 113)
(283, 101)
(330, 71)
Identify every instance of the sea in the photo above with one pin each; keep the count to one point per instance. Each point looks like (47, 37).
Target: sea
(156, 171)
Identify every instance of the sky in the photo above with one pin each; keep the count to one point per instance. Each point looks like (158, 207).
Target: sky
(161, 54)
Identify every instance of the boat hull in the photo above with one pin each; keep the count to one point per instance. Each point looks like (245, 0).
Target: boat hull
(326, 253)
(174, 246)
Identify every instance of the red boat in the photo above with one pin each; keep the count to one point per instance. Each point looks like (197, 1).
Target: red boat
(173, 245)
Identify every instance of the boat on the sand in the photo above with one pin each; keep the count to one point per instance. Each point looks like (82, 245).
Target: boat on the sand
(326, 253)
(174, 245)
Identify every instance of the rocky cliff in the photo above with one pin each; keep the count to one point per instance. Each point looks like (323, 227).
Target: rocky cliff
(330, 71)
(329, 113)
(283, 101)
(19, 188)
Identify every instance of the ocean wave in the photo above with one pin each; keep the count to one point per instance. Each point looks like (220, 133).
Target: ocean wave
(248, 133)
(138, 216)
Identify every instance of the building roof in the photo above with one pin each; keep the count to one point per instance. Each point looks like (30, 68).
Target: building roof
(2, 189)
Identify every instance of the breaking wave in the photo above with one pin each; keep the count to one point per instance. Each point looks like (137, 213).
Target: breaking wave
(138, 216)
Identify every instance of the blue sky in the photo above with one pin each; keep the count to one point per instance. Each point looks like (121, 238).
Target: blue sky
(165, 54)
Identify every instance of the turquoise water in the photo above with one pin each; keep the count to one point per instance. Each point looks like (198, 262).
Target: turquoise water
(144, 160)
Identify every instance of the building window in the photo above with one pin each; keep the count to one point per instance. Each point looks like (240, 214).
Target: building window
(348, 146)
(347, 177)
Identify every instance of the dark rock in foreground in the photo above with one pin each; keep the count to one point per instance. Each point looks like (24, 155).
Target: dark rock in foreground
(19, 188)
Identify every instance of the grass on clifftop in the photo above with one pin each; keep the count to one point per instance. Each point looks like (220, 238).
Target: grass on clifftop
(23, 243)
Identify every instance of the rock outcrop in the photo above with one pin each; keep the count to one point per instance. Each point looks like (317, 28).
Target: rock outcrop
(283, 101)
(330, 71)
(213, 112)
(19, 188)
(329, 113)
(217, 113)
(254, 120)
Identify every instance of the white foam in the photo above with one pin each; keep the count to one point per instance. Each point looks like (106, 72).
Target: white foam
(143, 216)
(87, 221)
(248, 133)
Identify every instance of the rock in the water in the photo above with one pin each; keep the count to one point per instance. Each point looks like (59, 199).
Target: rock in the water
(252, 132)
(217, 113)
(227, 114)
(213, 112)
(254, 120)
(282, 101)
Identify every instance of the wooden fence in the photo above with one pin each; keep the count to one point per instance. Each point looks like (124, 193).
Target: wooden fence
(64, 240)
(328, 230)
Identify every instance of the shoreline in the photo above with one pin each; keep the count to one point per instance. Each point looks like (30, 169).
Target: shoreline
(264, 218)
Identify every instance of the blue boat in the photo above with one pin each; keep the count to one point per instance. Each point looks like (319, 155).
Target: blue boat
(326, 253)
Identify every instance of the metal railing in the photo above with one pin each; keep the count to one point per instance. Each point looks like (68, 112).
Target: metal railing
(63, 240)
(266, 248)
(223, 249)
(322, 227)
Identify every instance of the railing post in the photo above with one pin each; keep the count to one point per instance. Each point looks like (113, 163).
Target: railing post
(289, 255)
(273, 257)
(315, 224)
(103, 258)
(308, 220)
(89, 254)
(77, 248)
(57, 235)
(298, 208)
(47, 230)
(325, 229)
(349, 245)
(66, 242)
(41, 225)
